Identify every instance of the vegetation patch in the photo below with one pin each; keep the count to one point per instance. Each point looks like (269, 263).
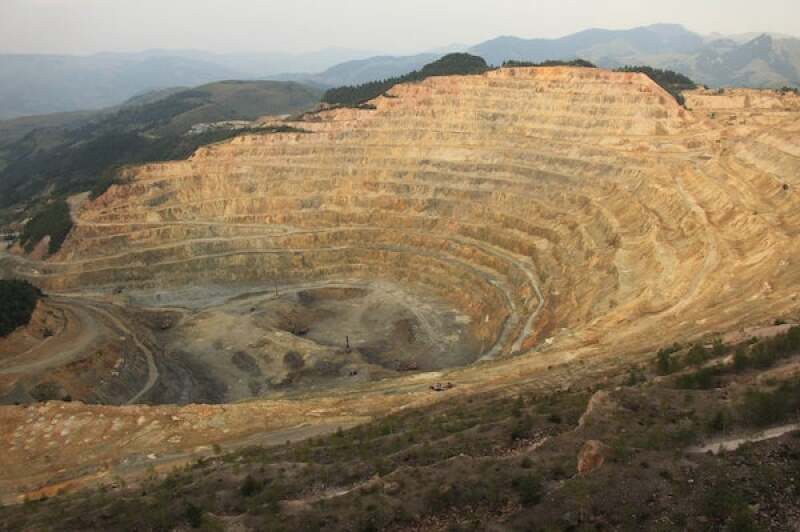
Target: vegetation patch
(672, 82)
(449, 65)
(54, 221)
(550, 63)
(17, 302)
(766, 407)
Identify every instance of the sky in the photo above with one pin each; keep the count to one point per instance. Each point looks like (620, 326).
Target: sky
(396, 26)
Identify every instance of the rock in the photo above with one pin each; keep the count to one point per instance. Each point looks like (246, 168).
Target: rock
(391, 488)
(570, 520)
(591, 456)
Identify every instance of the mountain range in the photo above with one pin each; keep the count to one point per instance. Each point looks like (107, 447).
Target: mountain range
(763, 61)
(40, 84)
(37, 84)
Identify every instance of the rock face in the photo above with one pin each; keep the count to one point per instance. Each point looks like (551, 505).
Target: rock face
(565, 212)
(591, 457)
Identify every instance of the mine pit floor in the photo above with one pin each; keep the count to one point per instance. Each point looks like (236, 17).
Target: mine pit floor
(255, 342)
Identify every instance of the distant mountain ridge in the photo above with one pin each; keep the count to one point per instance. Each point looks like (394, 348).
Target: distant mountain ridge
(41, 84)
(38, 84)
(363, 70)
(764, 61)
(592, 44)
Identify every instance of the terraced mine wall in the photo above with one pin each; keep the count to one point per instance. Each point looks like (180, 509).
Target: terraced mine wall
(539, 201)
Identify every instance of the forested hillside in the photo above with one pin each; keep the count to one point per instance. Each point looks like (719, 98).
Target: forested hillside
(452, 64)
(75, 156)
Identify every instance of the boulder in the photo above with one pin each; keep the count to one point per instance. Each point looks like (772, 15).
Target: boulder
(591, 456)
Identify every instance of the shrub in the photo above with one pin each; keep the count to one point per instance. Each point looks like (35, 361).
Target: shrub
(742, 521)
(718, 348)
(664, 361)
(740, 359)
(193, 515)
(697, 355)
(718, 423)
(767, 407)
(529, 489)
(702, 379)
(17, 302)
(721, 501)
(250, 487)
(762, 357)
(521, 428)
(635, 377)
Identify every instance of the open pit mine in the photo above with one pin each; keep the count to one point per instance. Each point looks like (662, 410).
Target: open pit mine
(460, 234)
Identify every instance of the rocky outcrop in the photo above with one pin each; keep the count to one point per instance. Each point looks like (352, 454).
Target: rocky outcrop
(591, 456)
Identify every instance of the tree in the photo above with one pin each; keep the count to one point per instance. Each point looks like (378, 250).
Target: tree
(17, 302)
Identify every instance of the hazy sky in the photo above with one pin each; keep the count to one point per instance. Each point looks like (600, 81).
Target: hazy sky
(86, 26)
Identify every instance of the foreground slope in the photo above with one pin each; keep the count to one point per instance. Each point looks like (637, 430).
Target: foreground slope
(578, 218)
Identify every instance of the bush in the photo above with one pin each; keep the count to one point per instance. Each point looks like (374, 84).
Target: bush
(720, 502)
(697, 355)
(529, 489)
(250, 487)
(193, 515)
(521, 428)
(718, 348)
(664, 361)
(719, 423)
(54, 220)
(740, 359)
(762, 408)
(742, 521)
(702, 379)
(17, 302)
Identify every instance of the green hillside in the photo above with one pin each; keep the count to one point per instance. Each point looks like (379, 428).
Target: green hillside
(72, 152)
(452, 64)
